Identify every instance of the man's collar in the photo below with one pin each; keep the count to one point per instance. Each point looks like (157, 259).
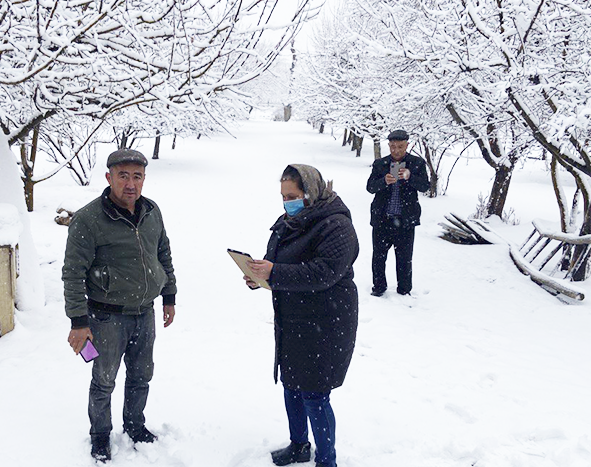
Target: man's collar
(114, 208)
(394, 160)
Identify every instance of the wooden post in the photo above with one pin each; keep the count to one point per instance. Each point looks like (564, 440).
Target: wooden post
(7, 288)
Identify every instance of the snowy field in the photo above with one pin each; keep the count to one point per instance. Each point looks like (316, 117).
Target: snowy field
(481, 368)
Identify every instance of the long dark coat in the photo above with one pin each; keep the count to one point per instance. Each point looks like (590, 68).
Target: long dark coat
(314, 296)
(376, 184)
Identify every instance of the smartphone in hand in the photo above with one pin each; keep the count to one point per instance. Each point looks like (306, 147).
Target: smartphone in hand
(89, 352)
(395, 168)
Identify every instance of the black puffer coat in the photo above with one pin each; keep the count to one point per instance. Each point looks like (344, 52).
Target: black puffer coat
(314, 296)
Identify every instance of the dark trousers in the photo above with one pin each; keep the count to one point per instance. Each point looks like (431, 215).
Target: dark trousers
(386, 235)
(118, 335)
(301, 406)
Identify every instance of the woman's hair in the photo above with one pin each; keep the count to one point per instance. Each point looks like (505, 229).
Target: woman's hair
(290, 173)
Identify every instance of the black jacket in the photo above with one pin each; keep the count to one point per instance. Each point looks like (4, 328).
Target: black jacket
(314, 296)
(418, 181)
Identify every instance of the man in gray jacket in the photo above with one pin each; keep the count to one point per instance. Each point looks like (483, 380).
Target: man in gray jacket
(117, 262)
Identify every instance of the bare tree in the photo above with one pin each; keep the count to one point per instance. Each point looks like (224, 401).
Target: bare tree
(100, 59)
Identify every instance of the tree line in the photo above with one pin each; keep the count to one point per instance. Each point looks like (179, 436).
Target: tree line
(75, 73)
(512, 77)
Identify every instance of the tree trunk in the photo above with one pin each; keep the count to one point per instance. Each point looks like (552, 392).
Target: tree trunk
(287, 108)
(321, 130)
(433, 177)
(580, 253)
(354, 141)
(156, 154)
(580, 256)
(28, 167)
(123, 140)
(503, 174)
(29, 185)
(345, 138)
(174, 141)
(500, 188)
(357, 145)
(351, 137)
(562, 208)
(377, 150)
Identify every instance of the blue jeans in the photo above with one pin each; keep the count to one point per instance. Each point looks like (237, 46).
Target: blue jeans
(302, 405)
(117, 335)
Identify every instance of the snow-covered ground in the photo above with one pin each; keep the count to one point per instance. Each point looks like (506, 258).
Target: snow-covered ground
(481, 368)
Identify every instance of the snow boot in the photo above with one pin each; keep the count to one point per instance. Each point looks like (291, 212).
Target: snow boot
(293, 453)
(143, 436)
(377, 292)
(101, 449)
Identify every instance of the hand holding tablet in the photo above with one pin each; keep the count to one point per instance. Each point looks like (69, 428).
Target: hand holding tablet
(242, 260)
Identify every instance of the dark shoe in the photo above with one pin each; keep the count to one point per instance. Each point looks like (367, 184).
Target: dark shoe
(101, 449)
(378, 293)
(293, 453)
(144, 436)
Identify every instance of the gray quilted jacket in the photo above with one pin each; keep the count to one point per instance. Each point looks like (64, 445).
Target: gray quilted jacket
(112, 261)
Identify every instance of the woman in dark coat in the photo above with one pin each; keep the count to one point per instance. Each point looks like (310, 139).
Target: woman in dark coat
(309, 266)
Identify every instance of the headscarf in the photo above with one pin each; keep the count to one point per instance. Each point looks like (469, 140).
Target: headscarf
(315, 188)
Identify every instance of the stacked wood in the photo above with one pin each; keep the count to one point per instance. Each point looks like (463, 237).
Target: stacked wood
(65, 212)
(463, 231)
(63, 217)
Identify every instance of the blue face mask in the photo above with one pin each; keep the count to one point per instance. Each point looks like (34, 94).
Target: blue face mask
(293, 207)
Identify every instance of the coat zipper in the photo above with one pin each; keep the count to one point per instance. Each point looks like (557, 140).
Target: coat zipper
(142, 256)
(137, 231)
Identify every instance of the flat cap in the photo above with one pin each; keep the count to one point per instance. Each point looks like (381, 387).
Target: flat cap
(398, 135)
(126, 156)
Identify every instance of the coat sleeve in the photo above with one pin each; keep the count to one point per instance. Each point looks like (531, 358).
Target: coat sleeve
(80, 254)
(377, 179)
(332, 259)
(165, 258)
(418, 176)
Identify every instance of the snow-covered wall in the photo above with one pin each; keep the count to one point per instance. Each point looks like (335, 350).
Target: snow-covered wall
(29, 285)
(10, 225)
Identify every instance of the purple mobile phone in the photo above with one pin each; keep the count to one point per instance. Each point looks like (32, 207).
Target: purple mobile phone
(89, 351)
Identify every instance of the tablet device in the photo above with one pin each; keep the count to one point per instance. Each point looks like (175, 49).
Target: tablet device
(241, 260)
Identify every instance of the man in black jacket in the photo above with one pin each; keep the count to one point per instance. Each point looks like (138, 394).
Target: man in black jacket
(395, 211)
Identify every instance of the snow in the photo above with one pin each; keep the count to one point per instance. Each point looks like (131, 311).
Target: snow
(69, 205)
(29, 285)
(10, 225)
(480, 368)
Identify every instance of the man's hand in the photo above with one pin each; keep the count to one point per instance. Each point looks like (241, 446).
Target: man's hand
(390, 179)
(168, 315)
(404, 174)
(77, 338)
